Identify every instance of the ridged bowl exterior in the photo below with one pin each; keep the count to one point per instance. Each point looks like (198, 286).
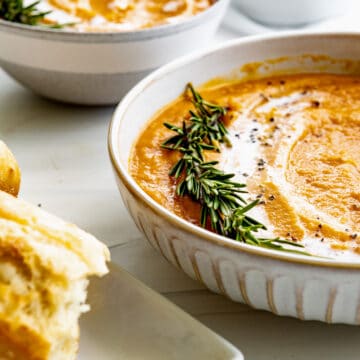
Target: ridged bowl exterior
(307, 288)
(283, 288)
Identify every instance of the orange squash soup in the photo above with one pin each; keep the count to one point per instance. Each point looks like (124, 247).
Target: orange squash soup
(295, 144)
(122, 15)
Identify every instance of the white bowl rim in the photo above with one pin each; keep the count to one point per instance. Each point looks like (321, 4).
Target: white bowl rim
(111, 36)
(207, 235)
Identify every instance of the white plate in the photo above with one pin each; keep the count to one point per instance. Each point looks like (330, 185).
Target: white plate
(130, 321)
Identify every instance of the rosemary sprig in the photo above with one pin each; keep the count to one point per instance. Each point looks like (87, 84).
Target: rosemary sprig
(15, 11)
(222, 204)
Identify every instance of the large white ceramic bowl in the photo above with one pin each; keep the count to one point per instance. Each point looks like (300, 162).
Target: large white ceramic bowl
(98, 68)
(305, 287)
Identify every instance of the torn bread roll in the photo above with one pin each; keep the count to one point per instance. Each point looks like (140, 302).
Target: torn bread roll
(9, 171)
(44, 268)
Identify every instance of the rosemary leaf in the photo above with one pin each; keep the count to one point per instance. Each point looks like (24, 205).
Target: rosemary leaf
(15, 11)
(222, 206)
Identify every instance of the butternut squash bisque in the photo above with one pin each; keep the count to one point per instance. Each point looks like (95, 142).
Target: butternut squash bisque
(295, 144)
(120, 15)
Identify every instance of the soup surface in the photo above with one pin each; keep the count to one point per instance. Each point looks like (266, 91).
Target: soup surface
(295, 144)
(121, 15)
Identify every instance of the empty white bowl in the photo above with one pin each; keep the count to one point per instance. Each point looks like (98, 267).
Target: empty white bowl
(98, 68)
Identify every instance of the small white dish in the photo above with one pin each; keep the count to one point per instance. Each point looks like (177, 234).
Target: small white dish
(130, 321)
(292, 13)
(243, 24)
(98, 68)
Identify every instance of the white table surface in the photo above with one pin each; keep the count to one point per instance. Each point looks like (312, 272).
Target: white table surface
(65, 168)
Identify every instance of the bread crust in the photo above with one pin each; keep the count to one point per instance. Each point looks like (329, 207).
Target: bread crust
(9, 171)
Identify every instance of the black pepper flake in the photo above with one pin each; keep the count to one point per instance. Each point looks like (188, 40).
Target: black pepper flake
(353, 236)
(245, 174)
(320, 226)
(254, 120)
(261, 165)
(259, 196)
(255, 129)
(315, 103)
(322, 239)
(271, 119)
(288, 234)
(269, 83)
(271, 197)
(39, 205)
(282, 82)
(317, 235)
(252, 138)
(262, 202)
(304, 92)
(237, 136)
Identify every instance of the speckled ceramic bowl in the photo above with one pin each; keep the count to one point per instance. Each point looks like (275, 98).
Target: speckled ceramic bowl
(98, 68)
(308, 288)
